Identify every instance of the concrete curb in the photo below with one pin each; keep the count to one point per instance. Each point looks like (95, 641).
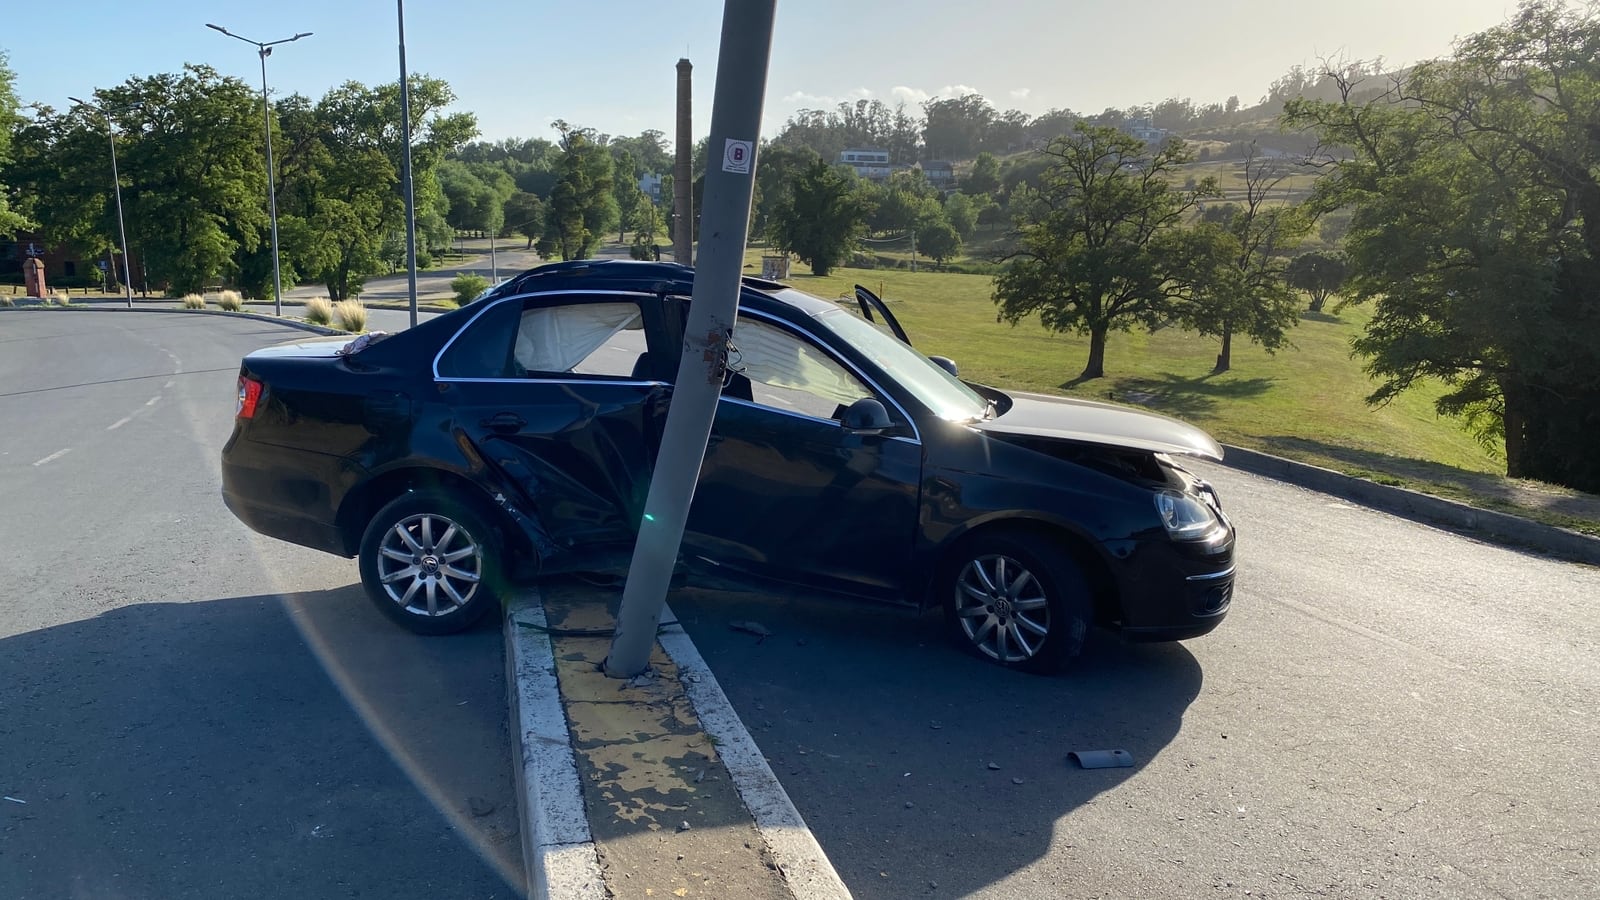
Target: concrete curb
(1484, 524)
(800, 859)
(558, 849)
(303, 326)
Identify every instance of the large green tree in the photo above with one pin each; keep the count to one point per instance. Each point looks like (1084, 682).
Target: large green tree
(1100, 243)
(583, 206)
(1239, 287)
(10, 219)
(1475, 189)
(191, 160)
(820, 217)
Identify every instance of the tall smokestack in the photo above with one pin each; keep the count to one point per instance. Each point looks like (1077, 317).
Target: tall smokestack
(683, 174)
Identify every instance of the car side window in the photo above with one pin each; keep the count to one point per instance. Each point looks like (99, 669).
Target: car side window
(605, 339)
(483, 348)
(786, 372)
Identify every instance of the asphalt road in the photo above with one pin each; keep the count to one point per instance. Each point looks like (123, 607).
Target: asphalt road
(188, 709)
(1389, 711)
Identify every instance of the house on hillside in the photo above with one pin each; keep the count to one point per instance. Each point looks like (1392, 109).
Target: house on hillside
(1142, 129)
(941, 173)
(868, 163)
(650, 183)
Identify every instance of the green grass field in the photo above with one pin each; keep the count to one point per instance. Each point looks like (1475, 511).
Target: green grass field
(1307, 402)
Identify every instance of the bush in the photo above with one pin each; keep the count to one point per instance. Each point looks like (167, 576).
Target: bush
(194, 301)
(319, 311)
(6, 301)
(230, 301)
(62, 298)
(468, 286)
(352, 315)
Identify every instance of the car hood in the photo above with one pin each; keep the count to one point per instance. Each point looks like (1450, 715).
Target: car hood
(1091, 422)
(313, 347)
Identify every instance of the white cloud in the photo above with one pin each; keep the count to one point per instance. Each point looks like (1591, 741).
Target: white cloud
(803, 100)
(957, 90)
(1021, 93)
(908, 94)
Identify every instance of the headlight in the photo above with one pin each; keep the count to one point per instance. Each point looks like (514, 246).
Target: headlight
(1185, 518)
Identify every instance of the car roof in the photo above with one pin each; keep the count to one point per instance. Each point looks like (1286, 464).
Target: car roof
(645, 276)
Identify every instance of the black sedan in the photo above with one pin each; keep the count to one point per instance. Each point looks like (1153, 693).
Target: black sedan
(515, 437)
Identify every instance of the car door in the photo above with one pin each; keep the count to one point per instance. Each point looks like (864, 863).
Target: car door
(786, 490)
(558, 392)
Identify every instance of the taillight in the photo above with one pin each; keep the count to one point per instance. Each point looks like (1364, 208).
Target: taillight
(249, 396)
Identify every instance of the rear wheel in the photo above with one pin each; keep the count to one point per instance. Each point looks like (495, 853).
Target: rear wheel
(430, 563)
(1017, 599)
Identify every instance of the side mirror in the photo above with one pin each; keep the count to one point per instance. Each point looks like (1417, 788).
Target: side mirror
(866, 416)
(946, 363)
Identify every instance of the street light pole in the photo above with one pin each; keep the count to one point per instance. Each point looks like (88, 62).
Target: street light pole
(405, 166)
(264, 50)
(116, 182)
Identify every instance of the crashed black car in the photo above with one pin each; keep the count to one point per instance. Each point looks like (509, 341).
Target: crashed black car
(515, 437)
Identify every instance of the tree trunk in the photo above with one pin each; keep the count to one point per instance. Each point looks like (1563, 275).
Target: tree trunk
(1317, 301)
(1225, 358)
(1096, 367)
(1518, 462)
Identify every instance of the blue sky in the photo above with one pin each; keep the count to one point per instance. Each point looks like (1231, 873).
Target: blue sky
(521, 65)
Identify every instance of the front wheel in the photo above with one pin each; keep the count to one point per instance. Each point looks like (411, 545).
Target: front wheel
(1018, 600)
(430, 563)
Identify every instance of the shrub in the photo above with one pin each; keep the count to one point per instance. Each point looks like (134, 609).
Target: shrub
(468, 286)
(6, 300)
(319, 311)
(230, 301)
(194, 301)
(62, 298)
(352, 315)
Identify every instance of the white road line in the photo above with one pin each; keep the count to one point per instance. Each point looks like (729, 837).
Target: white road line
(152, 400)
(119, 423)
(54, 456)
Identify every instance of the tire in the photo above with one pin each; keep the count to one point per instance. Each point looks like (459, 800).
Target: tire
(431, 563)
(1016, 599)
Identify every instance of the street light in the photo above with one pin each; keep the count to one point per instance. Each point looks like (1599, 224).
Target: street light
(116, 182)
(264, 50)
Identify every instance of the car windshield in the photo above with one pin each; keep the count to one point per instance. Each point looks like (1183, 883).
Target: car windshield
(937, 389)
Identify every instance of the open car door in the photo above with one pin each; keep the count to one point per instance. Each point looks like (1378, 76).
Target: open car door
(871, 303)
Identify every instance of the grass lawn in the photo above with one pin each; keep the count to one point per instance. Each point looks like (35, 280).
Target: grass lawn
(1306, 402)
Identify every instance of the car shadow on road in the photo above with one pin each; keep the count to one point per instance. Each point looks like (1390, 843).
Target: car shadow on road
(254, 746)
(914, 762)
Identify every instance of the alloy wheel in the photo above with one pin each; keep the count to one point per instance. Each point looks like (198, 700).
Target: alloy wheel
(429, 565)
(1002, 608)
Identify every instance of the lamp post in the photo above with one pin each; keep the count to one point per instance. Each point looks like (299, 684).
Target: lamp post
(406, 187)
(264, 50)
(116, 182)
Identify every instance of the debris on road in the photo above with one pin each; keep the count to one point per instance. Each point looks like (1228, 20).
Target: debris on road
(1101, 759)
(751, 627)
(994, 767)
(15, 800)
(1016, 781)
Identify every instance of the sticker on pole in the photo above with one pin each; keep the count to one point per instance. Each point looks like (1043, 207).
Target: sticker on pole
(736, 156)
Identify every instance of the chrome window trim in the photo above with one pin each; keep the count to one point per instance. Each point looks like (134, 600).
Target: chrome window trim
(520, 297)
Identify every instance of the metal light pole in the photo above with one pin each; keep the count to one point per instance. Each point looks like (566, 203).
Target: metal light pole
(264, 50)
(116, 181)
(724, 226)
(405, 166)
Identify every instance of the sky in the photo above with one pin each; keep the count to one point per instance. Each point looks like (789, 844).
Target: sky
(521, 65)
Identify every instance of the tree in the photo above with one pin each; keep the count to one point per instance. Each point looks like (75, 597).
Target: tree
(1475, 189)
(525, 215)
(583, 207)
(190, 157)
(985, 175)
(1319, 274)
(820, 218)
(10, 220)
(962, 214)
(1239, 287)
(625, 186)
(939, 240)
(1094, 243)
(956, 127)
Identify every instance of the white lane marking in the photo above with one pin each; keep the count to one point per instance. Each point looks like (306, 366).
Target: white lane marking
(54, 456)
(119, 423)
(805, 867)
(152, 400)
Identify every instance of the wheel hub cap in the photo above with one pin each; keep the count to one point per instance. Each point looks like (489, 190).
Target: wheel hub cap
(429, 565)
(1002, 608)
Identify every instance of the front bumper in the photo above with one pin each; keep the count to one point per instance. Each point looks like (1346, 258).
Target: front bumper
(1173, 591)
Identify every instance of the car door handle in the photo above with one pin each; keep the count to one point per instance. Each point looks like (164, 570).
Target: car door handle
(504, 422)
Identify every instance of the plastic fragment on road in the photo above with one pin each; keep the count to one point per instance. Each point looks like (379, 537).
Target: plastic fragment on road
(15, 800)
(755, 628)
(1101, 759)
